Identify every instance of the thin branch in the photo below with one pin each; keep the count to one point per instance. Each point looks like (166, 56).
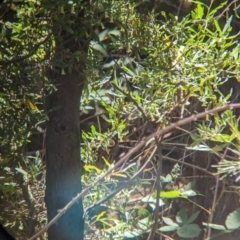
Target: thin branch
(158, 186)
(158, 133)
(189, 165)
(214, 203)
(226, 9)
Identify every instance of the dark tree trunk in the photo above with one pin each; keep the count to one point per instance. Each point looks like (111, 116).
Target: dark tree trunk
(63, 165)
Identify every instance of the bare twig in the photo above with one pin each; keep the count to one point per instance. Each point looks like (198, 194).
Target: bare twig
(158, 133)
(226, 9)
(189, 165)
(158, 186)
(214, 203)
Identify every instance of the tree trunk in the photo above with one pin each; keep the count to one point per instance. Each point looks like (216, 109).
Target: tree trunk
(63, 165)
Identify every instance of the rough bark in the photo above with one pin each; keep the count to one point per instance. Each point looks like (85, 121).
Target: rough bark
(63, 165)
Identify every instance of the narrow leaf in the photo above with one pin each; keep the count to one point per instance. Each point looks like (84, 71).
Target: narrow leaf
(227, 25)
(193, 217)
(214, 226)
(98, 47)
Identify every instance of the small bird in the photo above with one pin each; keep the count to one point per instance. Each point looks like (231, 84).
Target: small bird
(114, 147)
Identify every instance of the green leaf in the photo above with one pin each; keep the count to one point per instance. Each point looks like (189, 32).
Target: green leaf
(109, 65)
(233, 220)
(181, 217)
(110, 110)
(170, 194)
(128, 70)
(114, 32)
(189, 231)
(200, 10)
(21, 171)
(68, 29)
(169, 221)
(101, 215)
(93, 130)
(188, 193)
(152, 202)
(200, 148)
(168, 178)
(16, 39)
(219, 147)
(193, 217)
(214, 226)
(215, 10)
(131, 234)
(190, 185)
(143, 224)
(98, 47)
(121, 126)
(227, 25)
(138, 99)
(103, 34)
(216, 23)
(222, 138)
(89, 168)
(108, 164)
(168, 228)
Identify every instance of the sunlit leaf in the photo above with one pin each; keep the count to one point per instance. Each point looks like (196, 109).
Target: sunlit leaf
(100, 215)
(170, 194)
(21, 171)
(107, 162)
(32, 107)
(98, 47)
(89, 168)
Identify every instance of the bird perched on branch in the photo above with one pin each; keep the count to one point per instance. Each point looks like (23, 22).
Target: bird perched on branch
(114, 148)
